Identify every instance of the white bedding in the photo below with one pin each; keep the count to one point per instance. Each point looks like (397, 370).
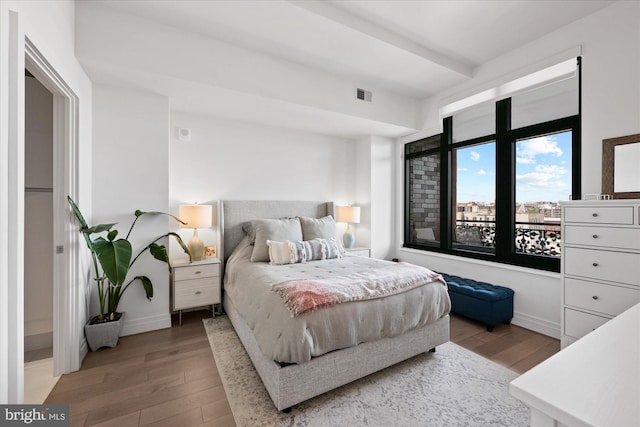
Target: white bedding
(298, 339)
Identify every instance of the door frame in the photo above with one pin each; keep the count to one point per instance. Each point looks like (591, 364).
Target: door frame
(18, 52)
(67, 325)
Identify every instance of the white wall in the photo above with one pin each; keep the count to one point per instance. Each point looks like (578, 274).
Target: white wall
(375, 178)
(131, 171)
(362, 165)
(610, 43)
(383, 165)
(233, 160)
(38, 223)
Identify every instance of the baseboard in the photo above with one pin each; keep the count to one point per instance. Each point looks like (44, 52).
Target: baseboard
(38, 341)
(537, 324)
(145, 324)
(84, 349)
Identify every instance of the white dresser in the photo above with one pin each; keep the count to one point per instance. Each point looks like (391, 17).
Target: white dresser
(600, 263)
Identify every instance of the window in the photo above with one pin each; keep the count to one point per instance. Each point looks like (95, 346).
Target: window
(543, 175)
(474, 196)
(488, 187)
(423, 195)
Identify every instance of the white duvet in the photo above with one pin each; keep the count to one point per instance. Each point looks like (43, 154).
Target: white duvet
(284, 338)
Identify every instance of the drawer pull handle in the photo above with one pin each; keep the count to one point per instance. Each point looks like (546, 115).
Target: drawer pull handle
(595, 236)
(198, 292)
(594, 214)
(595, 264)
(595, 297)
(198, 272)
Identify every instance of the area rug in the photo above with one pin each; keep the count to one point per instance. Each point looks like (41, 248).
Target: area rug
(451, 387)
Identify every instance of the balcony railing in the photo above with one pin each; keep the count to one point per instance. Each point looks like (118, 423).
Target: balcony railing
(534, 238)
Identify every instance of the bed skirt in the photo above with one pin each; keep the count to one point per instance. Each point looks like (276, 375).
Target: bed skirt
(292, 384)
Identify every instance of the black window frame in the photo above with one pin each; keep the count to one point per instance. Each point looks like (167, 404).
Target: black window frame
(505, 185)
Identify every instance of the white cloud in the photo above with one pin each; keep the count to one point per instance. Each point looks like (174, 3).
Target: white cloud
(475, 156)
(552, 170)
(544, 176)
(527, 150)
(482, 172)
(524, 160)
(462, 169)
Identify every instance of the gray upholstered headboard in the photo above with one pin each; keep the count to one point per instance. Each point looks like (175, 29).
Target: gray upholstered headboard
(237, 212)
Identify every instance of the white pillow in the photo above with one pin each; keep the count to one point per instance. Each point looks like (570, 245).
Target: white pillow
(280, 253)
(319, 228)
(278, 230)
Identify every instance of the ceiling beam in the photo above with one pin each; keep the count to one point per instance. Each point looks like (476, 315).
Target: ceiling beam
(328, 11)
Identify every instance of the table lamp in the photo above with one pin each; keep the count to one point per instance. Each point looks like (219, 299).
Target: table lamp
(350, 215)
(195, 216)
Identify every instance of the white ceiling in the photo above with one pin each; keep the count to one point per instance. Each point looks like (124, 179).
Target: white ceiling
(412, 49)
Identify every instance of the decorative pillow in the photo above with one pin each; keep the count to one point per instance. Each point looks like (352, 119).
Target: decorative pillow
(280, 252)
(319, 228)
(331, 248)
(273, 229)
(304, 251)
(314, 250)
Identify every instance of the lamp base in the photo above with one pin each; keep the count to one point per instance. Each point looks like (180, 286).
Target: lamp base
(196, 247)
(348, 239)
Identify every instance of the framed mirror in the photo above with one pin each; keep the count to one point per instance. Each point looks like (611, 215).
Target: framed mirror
(621, 167)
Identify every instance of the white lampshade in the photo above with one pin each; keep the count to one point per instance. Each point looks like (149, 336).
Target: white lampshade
(348, 214)
(195, 216)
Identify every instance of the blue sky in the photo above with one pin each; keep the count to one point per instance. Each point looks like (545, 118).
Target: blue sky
(543, 170)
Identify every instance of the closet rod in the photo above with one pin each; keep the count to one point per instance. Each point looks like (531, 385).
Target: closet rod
(38, 190)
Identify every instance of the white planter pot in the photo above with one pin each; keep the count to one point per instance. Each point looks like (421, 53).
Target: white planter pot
(103, 334)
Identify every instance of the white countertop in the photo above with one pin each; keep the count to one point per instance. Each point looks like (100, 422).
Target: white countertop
(593, 382)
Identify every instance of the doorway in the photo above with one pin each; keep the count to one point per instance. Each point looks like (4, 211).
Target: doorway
(38, 241)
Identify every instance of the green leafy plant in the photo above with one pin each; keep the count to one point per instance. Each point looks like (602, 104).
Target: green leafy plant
(113, 259)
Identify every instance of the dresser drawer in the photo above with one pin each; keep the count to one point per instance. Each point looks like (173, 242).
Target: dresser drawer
(604, 265)
(194, 293)
(610, 237)
(600, 215)
(196, 271)
(578, 324)
(606, 299)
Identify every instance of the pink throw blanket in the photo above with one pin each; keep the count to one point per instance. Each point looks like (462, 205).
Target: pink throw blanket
(302, 295)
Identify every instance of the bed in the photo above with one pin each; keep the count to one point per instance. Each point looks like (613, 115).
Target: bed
(299, 362)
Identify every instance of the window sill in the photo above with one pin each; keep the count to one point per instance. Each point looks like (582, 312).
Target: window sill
(535, 271)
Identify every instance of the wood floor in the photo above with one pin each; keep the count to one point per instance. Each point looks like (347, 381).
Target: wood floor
(169, 377)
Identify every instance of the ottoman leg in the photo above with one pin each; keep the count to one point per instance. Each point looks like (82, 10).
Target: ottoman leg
(490, 328)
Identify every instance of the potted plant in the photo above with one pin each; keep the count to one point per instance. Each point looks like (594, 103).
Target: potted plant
(112, 261)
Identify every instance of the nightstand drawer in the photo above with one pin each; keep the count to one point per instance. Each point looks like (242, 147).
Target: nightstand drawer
(578, 324)
(606, 299)
(196, 271)
(604, 265)
(194, 293)
(600, 214)
(624, 238)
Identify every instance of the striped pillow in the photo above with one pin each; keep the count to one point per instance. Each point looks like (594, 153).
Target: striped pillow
(303, 251)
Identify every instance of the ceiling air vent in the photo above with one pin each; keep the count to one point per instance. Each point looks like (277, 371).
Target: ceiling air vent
(363, 95)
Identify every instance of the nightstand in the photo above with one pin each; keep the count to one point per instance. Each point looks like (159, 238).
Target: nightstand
(194, 284)
(365, 252)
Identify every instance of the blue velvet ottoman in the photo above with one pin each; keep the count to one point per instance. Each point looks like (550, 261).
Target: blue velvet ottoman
(484, 302)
